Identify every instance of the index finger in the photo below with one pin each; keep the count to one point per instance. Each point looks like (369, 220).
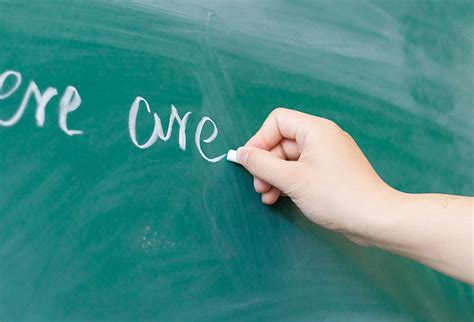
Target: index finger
(281, 124)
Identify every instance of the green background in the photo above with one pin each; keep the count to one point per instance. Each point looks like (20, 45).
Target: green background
(93, 228)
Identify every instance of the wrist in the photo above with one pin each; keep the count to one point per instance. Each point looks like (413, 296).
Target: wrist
(398, 226)
(385, 219)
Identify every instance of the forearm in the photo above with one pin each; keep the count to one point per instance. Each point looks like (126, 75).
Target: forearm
(434, 229)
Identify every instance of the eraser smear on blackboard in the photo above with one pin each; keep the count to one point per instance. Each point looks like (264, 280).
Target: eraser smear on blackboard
(232, 156)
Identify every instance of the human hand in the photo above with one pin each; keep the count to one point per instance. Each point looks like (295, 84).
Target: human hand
(320, 167)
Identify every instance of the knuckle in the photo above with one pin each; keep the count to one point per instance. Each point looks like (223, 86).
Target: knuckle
(279, 111)
(326, 126)
(333, 126)
(327, 123)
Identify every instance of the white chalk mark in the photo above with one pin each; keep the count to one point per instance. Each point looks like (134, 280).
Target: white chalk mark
(132, 124)
(3, 78)
(208, 140)
(41, 99)
(158, 127)
(210, 13)
(70, 101)
(182, 127)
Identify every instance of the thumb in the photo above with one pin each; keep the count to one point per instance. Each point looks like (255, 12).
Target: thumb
(268, 167)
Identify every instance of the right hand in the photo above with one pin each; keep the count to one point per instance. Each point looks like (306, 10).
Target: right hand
(320, 167)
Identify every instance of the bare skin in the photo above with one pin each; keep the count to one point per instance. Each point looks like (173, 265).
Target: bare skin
(321, 168)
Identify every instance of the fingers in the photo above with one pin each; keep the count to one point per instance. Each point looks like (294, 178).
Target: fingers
(283, 134)
(268, 166)
(286, 150)
(271, 196)
(282, 124)
(260, 185)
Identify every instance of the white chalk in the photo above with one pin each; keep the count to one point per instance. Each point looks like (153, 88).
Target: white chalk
(232, 156)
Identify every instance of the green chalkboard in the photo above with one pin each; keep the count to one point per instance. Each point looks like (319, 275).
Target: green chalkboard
(95, 227)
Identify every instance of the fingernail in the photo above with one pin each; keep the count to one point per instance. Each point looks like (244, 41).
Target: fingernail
(242, 155)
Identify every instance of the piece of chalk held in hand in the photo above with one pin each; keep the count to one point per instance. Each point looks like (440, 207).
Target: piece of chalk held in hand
(232, 156)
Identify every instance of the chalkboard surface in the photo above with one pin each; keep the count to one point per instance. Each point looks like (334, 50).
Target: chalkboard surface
(94, 227)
